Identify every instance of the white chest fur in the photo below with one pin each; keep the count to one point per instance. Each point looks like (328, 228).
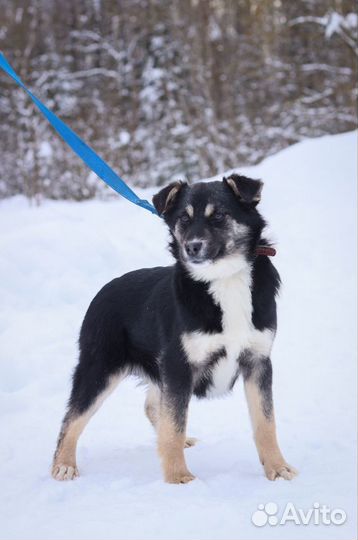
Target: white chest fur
(233, 295)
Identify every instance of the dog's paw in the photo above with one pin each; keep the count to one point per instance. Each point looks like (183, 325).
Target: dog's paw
(190, 441)
(60, 471)
(279, 470)
(179, 477)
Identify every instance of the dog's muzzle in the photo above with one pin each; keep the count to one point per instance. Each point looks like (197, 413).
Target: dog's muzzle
(195, 250)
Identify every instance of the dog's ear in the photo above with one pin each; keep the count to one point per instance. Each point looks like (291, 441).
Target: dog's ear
(247, 190)
(164, 200)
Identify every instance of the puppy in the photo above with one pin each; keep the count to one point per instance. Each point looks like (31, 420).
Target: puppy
(187, 329)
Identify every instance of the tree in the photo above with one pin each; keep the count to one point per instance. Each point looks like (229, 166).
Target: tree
(169, 90)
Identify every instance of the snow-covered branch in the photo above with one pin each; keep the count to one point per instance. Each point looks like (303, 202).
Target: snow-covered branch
(346, 26)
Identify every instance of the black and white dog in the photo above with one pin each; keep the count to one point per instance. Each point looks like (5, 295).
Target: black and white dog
(186, 329)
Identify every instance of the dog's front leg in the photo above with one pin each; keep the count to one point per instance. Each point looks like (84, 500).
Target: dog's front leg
(173, 412)
(258, 389)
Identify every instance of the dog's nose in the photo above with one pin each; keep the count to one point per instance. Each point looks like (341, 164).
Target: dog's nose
(193, 247)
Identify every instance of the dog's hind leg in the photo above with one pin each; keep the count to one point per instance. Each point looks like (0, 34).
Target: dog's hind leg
(152, 410)
(152, 404)
(86, 398)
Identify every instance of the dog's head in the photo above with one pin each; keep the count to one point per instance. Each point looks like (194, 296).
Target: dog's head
(215, 226)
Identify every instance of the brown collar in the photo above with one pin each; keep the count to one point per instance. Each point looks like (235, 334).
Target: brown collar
(266, 250)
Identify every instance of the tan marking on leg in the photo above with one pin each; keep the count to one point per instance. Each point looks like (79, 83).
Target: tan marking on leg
(171, 449)
(152, 407)
(152, 404)
(265, 436)
(209, 210)
(64, 462)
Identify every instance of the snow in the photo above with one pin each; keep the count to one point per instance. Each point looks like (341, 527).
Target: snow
(335, 22)
(45, 150)
(55, 257)
(124, 137)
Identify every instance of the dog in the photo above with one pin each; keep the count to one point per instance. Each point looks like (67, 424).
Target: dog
(187, 329)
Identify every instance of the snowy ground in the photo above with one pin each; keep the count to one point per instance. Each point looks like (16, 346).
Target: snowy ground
(53, 259)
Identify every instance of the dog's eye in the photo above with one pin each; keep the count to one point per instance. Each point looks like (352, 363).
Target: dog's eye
(185, 218)
(218, 216)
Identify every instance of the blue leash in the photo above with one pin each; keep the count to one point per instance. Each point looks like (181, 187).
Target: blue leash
(80, 148)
